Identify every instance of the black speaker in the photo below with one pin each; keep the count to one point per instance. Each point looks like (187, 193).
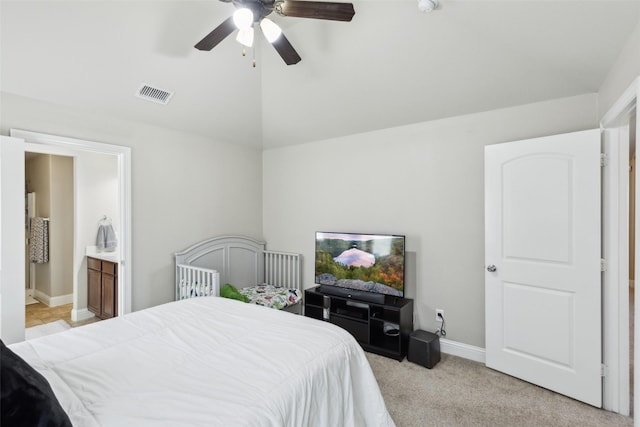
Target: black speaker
(424, 348)
(352, 294)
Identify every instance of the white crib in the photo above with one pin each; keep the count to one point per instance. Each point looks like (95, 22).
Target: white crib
(271, 278)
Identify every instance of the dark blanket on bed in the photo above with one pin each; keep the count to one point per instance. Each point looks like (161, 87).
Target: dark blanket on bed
(27, 398)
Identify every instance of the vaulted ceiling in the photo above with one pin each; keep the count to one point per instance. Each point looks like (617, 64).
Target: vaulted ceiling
(392, 65)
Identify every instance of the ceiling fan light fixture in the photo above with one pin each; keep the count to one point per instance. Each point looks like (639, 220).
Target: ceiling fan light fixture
(270, 29)
(245, 36)
(248, 13)
(243, 18)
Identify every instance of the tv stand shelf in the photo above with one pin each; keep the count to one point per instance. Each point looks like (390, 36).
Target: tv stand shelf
(372, 324)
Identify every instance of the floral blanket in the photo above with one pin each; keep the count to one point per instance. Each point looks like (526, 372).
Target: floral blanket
(272, 296)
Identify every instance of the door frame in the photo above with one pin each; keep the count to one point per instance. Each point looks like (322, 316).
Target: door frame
(59, 145)
(616, 276)
(12, 222)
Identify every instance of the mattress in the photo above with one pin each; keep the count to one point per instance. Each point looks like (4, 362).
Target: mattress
(209, 362)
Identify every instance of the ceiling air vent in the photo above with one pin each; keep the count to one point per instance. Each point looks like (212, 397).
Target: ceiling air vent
(153, 94)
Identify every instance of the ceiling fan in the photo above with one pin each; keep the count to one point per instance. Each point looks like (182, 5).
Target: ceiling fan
(250, 12)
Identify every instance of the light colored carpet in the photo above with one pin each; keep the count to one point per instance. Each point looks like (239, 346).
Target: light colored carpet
(460, 392)
(46, 329)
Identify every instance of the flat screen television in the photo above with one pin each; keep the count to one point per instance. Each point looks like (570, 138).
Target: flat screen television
(364, 262)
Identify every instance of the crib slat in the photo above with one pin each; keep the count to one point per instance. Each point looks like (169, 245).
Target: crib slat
(282, 269)
(196, 281)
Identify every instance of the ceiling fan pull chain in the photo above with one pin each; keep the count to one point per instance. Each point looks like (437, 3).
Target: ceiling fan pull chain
(244, 52)
(254, 56)
(253, 47)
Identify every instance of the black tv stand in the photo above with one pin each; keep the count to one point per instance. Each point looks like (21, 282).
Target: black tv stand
(380, 327)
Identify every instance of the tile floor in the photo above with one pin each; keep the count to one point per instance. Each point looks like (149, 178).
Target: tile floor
(39, 314)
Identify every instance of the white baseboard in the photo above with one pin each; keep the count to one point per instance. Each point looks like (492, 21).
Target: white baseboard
(82, 314)
(466, 351)
(53, 301)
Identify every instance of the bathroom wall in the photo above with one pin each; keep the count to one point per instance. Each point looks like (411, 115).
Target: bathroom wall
(96, 196)
(51, 178)
(37, 172)
(61, 227)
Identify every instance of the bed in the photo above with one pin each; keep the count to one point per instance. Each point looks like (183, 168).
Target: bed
(265, 277)
(208, 362)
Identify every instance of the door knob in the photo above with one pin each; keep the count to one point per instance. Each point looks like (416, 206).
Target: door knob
(491, 268)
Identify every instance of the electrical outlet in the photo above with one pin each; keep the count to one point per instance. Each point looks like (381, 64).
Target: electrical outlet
(439, 312)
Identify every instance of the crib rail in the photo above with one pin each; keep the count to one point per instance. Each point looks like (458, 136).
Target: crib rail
(282, 269)
(196, 281)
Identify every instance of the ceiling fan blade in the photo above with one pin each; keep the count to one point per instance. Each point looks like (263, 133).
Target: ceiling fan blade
(212, 39)
(286, 50)
(317, 9)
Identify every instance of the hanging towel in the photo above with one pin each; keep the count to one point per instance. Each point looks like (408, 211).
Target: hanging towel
(39, 240)
(106, 238)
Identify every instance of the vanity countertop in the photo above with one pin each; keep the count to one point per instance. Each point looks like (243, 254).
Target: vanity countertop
(93, 252)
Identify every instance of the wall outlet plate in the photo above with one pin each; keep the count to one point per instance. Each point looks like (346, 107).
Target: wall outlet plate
(439, 311)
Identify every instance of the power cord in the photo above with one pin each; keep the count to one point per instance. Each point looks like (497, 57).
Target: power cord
(441, 331)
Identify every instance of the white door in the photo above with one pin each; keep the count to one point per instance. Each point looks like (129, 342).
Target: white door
(542, 260)
(12, 256)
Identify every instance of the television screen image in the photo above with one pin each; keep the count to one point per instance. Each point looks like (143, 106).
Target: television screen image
(366, 262)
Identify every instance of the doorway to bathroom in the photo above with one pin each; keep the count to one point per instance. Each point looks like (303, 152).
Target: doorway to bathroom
(13, 149)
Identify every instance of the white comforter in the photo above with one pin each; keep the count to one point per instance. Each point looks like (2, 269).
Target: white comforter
(209, 362)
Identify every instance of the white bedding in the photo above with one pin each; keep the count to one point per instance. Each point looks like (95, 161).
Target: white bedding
(209, 362)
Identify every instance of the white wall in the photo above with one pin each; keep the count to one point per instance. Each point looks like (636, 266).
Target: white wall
(625, 70)
(424, 181)
(184, 187)
(97, 195)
